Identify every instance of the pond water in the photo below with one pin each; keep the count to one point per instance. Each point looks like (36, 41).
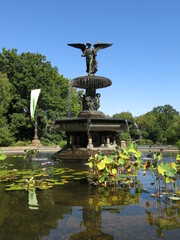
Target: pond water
(79, 210)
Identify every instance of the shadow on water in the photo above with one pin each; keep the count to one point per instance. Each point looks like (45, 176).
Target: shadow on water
(78, 210)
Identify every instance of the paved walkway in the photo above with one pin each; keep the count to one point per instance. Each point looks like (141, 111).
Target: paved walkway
(22, 148)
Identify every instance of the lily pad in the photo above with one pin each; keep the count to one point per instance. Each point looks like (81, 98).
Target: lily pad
(2, 157)
(174, 198)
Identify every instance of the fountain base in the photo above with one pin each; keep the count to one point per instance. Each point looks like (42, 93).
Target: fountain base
(81, 153)
(87, 136)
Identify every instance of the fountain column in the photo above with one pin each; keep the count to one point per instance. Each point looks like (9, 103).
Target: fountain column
(107, 141)
(90, 144)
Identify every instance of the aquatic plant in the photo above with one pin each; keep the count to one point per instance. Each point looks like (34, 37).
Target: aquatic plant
(165, 176)
(2, 155)
(41, 178)
(29, 154)
(118, 166)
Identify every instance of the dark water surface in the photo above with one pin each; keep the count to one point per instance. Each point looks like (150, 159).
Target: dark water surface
(78, 210)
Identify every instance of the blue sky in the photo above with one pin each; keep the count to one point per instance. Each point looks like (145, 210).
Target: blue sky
(143, 63)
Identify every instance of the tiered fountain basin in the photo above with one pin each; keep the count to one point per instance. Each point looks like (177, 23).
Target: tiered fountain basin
(87, 136)
(91, 81)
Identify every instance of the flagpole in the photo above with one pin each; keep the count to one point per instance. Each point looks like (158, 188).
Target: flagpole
(35, 140)
(36, 129)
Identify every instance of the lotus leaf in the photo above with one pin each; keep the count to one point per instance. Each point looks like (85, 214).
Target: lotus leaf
(91, 165)
(77, 178)
(137, 154)
(121, 161)
(174, 198)
(101, 165)
(2, 157)
(139, 161)
(114, 171)
(162, 169)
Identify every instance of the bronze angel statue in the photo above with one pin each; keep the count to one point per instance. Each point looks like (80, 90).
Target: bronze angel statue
(90, 54)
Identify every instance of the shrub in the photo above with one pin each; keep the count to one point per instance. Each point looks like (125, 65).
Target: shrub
(178, 144)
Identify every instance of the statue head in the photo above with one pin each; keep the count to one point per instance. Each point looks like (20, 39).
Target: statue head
(88, 44)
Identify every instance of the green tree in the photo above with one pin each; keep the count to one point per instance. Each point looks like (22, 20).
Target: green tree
(6, 137)
(157, 125)
(124, 115)
(131, 132)
(173, 131)
(28, 71)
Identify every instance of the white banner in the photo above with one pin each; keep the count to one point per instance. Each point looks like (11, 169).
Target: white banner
(34, 98)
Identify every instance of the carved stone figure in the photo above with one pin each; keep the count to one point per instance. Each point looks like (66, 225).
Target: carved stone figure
(90, 54)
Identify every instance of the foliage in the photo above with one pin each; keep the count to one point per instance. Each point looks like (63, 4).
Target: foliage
(29, 154)
(110, 169)
(6, 137)
(178, 144)
(41, 178)
(166, 174)
(2, 155)
(22, 143)
(168, 170)
(28, 71)
(132, 130)
(144, 142)
(124, 115)
(160, 125)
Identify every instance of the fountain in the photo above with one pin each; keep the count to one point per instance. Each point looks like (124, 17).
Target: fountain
(91, 132)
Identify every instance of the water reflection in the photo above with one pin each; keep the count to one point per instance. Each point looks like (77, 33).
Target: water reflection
(165, 215)
(33, 202)
(81, 211)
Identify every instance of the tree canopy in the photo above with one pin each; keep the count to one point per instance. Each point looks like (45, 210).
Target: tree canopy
(160, 125)
(27, 71)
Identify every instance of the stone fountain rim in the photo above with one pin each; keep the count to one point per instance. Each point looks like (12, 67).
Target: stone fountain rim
(84, 81)
(93, 120)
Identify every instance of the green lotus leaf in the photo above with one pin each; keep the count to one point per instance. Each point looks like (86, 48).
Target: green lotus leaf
(168, 180)
(174, 166)
(58, 183)
(14, 188)
(67, 176)
(44, 187)
(174, 198)
(139, 161)
(51, 180)
(114, 171)
(77, 178)
(162, 169)
(121, 161)
(2, 157)
(137, 154)
(91, 165)
(101, 165)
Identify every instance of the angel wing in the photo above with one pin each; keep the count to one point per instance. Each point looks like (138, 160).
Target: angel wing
(98, 46)
(78, 45)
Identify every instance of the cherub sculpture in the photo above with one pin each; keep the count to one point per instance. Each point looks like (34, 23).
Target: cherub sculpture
(90, 54)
